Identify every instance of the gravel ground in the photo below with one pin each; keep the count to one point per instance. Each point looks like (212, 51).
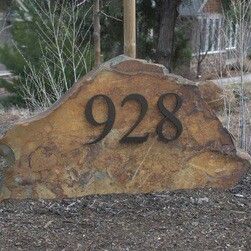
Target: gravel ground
(183, 220)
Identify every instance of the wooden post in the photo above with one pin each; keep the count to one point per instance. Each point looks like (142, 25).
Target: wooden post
(96, 34)
(130, 28)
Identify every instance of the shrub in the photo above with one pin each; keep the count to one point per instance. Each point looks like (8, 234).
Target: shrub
(51, 50)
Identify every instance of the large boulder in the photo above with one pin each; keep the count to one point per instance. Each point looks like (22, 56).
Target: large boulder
(79, 146)
(212, 94)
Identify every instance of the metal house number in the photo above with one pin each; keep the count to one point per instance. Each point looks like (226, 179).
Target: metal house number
(168, 116)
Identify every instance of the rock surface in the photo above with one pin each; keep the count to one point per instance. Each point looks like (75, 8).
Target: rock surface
(214, 95)
(53, 159)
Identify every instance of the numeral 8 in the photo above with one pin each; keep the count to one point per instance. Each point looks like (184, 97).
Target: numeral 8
(111, 114)
(169, 116)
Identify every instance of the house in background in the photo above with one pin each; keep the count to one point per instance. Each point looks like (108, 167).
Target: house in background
(212, 43)
(5, 35)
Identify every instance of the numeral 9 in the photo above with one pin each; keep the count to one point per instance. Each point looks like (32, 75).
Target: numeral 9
(108, 124)
(168, 116)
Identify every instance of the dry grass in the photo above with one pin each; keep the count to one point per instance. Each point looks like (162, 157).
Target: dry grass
(11, 116)
(230, 115)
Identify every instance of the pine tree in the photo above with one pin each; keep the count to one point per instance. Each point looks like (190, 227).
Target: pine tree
(4, 4)
(47, 57)
(43, 64)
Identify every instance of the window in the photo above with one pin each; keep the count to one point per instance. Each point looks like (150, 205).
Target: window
(217, 35)
(210, 42)
(231, 36)
(210, 34)
(203, 35)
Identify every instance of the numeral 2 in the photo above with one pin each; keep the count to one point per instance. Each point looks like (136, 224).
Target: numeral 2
(169, 116)
(144, 107)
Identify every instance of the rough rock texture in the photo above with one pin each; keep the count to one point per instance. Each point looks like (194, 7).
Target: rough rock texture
(52, 159)
(213, 95)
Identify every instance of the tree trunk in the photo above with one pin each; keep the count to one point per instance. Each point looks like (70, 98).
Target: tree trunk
(96, 34)
(130, 28)
(167, 13)
(198, 74)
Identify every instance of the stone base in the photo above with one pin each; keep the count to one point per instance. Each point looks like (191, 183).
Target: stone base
(51, 157)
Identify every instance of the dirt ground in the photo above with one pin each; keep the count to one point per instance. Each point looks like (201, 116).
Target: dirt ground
(192, 220)
(183, 220)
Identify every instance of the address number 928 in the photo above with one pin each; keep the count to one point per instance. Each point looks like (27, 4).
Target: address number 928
(168, 117)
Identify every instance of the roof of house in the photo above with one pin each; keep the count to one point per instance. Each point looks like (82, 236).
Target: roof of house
(191, 7)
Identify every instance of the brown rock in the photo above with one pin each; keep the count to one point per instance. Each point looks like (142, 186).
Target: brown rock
(214, 95)
(53, 159)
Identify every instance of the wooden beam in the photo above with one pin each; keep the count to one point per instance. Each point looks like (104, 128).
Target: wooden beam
(130, 28)
(96, 34)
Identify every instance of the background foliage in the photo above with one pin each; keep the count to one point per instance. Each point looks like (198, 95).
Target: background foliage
(51, 50)
(43, 50)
